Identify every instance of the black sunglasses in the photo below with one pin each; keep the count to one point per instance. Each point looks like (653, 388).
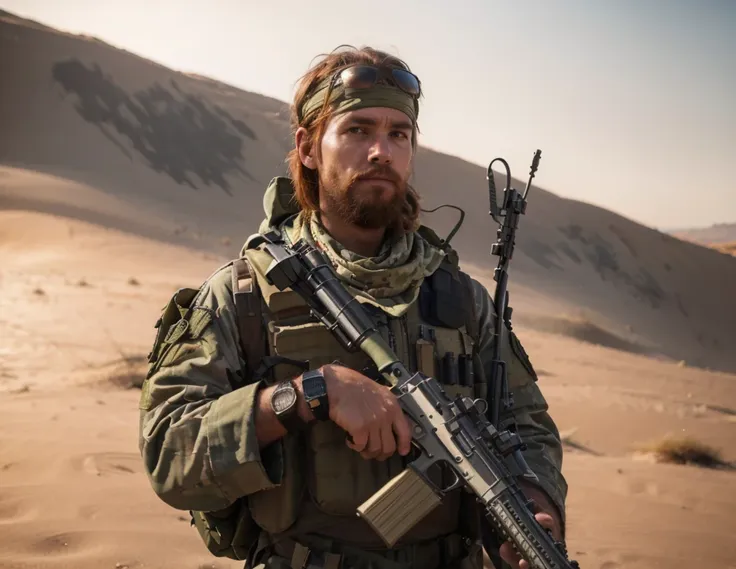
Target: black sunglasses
(366, 76)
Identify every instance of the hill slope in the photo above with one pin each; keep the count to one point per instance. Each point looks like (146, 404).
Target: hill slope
(183, 158)
(717, 234)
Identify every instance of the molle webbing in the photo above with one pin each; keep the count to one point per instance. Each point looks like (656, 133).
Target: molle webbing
(314, 551)
(249, 308)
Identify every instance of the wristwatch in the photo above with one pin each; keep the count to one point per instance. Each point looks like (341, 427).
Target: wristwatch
(315, 394)
(284, 403)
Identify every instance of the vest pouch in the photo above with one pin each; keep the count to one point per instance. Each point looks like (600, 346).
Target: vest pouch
(340, 479)
(230, 532)
(452, 346)
(276, 509)
(311, 342)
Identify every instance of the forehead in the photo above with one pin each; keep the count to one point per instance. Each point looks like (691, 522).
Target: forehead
(381, 116)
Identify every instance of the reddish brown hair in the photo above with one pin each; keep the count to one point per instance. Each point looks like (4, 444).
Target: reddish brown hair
(306, 180)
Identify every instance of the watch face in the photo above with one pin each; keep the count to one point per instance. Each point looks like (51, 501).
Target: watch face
(314, 387)
(283, 399)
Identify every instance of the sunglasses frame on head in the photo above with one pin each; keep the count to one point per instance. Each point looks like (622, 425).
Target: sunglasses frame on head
(373, 74)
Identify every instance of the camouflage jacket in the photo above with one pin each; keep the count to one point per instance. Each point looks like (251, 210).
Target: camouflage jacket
(197, 434)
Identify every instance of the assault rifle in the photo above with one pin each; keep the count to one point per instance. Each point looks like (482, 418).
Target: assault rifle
(457, 433)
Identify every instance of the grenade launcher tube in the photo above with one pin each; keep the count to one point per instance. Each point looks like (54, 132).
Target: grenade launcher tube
(346, 315)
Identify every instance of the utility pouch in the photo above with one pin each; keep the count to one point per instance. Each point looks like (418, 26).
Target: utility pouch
(229, 532)
(425, 352)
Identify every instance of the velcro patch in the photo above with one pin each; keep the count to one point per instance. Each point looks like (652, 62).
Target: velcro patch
(522, 355)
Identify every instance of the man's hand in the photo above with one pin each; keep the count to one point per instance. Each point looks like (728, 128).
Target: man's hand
(546, 515)
(368, 412)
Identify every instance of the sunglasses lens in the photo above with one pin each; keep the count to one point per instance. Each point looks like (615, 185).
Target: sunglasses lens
(406, 81)
(359, 77)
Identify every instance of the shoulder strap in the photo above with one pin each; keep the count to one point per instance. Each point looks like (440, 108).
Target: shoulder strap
(249, 314)
(471, 313)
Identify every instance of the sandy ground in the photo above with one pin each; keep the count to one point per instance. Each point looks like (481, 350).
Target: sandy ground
(73, 494)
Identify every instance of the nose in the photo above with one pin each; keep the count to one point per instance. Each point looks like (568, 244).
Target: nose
(380, 151)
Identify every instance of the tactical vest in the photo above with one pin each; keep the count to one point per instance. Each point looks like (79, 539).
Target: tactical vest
(324, 481)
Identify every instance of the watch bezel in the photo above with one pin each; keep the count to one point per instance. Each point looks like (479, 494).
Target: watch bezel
(288, 416)
(278, 395)
(310, 386)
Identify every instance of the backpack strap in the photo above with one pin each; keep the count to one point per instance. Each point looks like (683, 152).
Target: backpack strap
(249, 314)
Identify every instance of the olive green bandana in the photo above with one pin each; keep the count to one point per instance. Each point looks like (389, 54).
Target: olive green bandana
(390, 280)
(343, 100)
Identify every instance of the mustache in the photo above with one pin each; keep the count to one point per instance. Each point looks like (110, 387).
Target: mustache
(383, 171)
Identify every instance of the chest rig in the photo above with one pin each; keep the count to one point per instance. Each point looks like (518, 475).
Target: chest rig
(324, 481)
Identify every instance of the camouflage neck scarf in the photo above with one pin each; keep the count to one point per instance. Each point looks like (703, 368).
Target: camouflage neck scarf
(390, 280)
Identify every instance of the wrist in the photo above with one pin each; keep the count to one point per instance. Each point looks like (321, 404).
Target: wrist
(305, 412)
(328, 372)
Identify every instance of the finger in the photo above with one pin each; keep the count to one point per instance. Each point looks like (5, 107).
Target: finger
(509, 555)
(403, 433)
(388, 442)
(373, 449)
(358, 440)
(547, 521)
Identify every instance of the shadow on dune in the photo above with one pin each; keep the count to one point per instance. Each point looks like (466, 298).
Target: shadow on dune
(582, 330)
(177, 133)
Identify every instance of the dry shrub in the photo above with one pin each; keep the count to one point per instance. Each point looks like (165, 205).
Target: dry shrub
(685, 450)
(569, 442)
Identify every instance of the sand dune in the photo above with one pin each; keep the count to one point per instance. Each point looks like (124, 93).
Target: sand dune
(122, 113)
(121, 180)
(72, 493)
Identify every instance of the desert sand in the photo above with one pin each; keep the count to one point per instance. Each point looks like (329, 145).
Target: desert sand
(632, 331)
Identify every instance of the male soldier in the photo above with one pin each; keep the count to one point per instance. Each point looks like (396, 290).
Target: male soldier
(289, 446)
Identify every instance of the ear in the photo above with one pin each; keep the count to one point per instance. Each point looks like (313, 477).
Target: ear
(305, 148)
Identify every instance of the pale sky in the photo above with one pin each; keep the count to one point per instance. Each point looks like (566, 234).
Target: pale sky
(632, 102)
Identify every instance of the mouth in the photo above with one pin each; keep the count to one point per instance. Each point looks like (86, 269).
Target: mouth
(376, 179)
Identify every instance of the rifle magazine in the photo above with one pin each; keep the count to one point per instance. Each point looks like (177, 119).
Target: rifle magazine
(397, 507)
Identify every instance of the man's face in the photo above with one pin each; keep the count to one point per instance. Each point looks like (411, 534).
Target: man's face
(364, 165)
